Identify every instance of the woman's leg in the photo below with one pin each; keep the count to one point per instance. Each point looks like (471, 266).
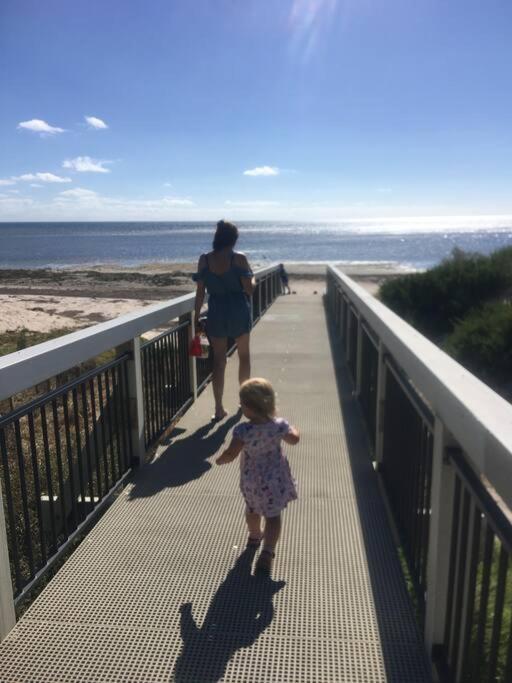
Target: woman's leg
(219, 345)
(271, 533)
(244, 369)
(253, 524)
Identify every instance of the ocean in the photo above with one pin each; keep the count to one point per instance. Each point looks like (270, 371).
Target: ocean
(414, 243)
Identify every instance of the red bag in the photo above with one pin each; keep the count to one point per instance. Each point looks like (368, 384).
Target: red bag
(195, 347)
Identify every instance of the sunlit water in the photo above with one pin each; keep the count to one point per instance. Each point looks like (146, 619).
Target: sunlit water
(416, 243)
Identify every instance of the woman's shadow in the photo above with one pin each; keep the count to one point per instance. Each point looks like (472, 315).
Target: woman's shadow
(184, 459)
(239, 612)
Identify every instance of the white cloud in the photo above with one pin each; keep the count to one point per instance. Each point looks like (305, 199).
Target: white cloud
(78, 193)
(35, 185)
(82, 204)
(43, 177)
(262, 171)
(167, 184)
(40, 126)
(7, 181)
(94, 122)
(87, 165)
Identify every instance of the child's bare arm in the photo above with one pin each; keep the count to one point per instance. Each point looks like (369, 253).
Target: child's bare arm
(292, 437)
(231, 452)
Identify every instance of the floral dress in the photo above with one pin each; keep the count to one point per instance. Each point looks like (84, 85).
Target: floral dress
(266, 481)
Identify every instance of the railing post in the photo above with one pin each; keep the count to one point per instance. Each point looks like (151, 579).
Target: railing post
(7, 613)
(260, 289)
(192, 359)
(441, 497)
(359, 356)
(381, 405)
(136, 398)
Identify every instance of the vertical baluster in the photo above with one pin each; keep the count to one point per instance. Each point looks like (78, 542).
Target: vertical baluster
(110, 428)
(69, 453)
(85, 421)
(115, 422)
(126, 394)
(155, 389)
(95, 441)
(14, 549)
(79, 455)
(37, 486)
(103, 418)
(498, 613)
(158, 385)
(470, 596)
(166, 381)
(145, 390)
(49, 478)
(121, 419)
(24, 496)
(60, 469)
(460, 580)
(484, 600)
(174, 374)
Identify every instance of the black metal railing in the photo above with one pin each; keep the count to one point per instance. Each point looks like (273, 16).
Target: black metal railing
(368, 381)
(474, 577)
(257, 302)
(407, 472)
(477, 645)
(406, 430)
(166, 379)
(61, 456)
(64, 454)
(352, 333)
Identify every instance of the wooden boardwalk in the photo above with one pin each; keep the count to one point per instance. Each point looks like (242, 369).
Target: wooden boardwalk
(162, 587)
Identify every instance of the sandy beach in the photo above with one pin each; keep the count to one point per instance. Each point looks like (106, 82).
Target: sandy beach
(47, 300)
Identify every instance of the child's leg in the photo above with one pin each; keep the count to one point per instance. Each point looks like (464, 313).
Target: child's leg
(253, 524)
(272, 532)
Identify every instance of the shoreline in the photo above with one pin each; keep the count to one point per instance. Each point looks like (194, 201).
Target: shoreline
(45, 300)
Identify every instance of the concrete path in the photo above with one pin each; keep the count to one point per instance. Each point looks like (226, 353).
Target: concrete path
(162, 589)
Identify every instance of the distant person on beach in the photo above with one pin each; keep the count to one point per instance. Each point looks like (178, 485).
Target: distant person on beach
(266, 481)
(229, 281)
(284, 279)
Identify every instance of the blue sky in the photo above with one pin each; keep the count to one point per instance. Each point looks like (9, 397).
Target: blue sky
(254, 109)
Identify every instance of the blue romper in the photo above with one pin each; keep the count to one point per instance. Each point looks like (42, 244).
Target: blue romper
(229, 307)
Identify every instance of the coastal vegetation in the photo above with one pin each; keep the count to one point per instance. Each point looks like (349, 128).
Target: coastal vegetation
(465, 306)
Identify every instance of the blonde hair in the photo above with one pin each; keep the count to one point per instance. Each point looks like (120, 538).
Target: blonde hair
(258, 395)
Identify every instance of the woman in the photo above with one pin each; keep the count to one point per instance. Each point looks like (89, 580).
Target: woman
(228, 279)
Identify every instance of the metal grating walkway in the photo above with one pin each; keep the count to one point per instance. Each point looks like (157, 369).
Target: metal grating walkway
(161, 589)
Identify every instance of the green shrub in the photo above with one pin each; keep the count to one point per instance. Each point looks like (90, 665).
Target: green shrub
(482, 342)
(435, 300)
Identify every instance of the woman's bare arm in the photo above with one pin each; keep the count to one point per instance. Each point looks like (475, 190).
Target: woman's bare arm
(231, 452)
(248, 283)
(292, 437)
(200, 292)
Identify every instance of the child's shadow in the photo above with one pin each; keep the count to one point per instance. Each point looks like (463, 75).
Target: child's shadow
(184, 459)
(239, 612)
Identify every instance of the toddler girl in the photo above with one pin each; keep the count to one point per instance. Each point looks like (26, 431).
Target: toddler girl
(265, 478)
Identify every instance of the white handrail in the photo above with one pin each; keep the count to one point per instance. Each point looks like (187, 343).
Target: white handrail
(478, 418)
(26, 368)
